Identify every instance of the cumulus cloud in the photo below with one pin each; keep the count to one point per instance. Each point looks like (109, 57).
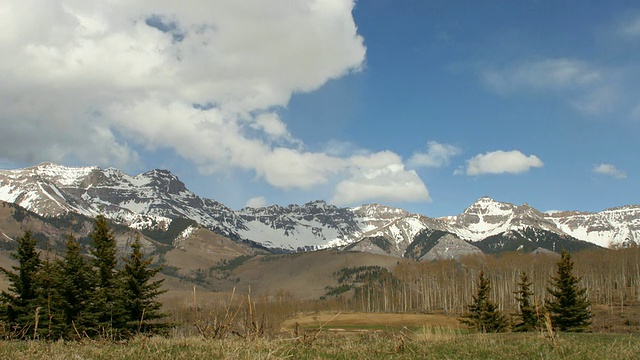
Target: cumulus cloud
(379, 176)
(256, 202)
(437, 155)
(610, 170)
(501, 162)
(272, 126)
(92, 81)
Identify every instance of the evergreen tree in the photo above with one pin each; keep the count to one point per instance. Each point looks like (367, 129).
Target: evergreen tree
(528, 313)
(48, 281)
(483, 313)
(18, 304)
(104, 252)
(569, 307)
(75, 296)
(105, 261)
(139, 292)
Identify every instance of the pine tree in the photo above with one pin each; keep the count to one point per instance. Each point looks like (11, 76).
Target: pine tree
(569, 307)
(483, 313)
(18, 304)
(528, 313)
(75, 296)
(139, 292)
(105, 261)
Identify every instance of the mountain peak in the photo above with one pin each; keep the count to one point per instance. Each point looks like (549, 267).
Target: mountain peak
(158, 196)
(487, 205)
(60, 174)
(166, 180)
(377, 210)
(486, 200)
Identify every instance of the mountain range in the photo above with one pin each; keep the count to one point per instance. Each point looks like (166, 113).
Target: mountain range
(158, 204)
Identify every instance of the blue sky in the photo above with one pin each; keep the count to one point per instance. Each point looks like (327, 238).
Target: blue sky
(425, 105)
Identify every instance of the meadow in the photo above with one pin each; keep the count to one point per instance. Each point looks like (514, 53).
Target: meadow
(410, 312)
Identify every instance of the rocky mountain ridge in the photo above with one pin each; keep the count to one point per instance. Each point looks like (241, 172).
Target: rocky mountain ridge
(154, 199)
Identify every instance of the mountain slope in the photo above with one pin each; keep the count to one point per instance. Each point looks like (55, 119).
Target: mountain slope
(611, 227)
(153, 200)
(150, 199)
(317, 223)
(487, 217)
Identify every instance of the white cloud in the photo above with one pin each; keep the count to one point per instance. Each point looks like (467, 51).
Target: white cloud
(380, 176)
(91, 81)
(256, 202)
(587, 88)
(437, 155)
(272, 126)
(597, 101)
(64, 60)
(543, 75)
(610, 170)
(288, 168)
(630, 27)
(342, 148)
(501, 162)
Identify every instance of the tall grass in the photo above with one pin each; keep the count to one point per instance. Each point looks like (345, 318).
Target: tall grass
(242, 327)
(438, 344)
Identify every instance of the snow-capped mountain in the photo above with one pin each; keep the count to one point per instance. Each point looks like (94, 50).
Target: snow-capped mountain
(487, 217)
(397, 234)
(612, 227)
(311, 226)
(156, 198)
(146, 200)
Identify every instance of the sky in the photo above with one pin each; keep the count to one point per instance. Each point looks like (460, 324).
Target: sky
(420, 104)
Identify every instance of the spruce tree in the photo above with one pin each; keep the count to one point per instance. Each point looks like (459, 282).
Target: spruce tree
(18, 304)
(484, 315)
(139, 292)
(75, 296)
(527, 312)
(569, 306)
(105, 261)
(49, 299)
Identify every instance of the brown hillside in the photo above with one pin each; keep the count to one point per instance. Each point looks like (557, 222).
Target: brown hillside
(202, 250)
(304, 275)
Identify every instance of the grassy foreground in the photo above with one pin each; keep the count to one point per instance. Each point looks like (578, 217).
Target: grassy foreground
(422, 345)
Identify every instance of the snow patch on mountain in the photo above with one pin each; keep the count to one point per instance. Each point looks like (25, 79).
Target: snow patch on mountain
(63, 175)
(488, 217)
(155, 198)
(315, 225)
(610, 227)
(401, 231)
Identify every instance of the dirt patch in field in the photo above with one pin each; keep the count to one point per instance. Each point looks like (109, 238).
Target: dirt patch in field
(370, 321)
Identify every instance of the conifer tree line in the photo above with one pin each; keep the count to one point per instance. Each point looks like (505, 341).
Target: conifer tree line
(75, 296)
(567, 309)
(520, 283)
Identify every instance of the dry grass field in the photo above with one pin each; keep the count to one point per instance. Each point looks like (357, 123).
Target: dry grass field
(360, 322)
(332, 346)
(338, 335)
